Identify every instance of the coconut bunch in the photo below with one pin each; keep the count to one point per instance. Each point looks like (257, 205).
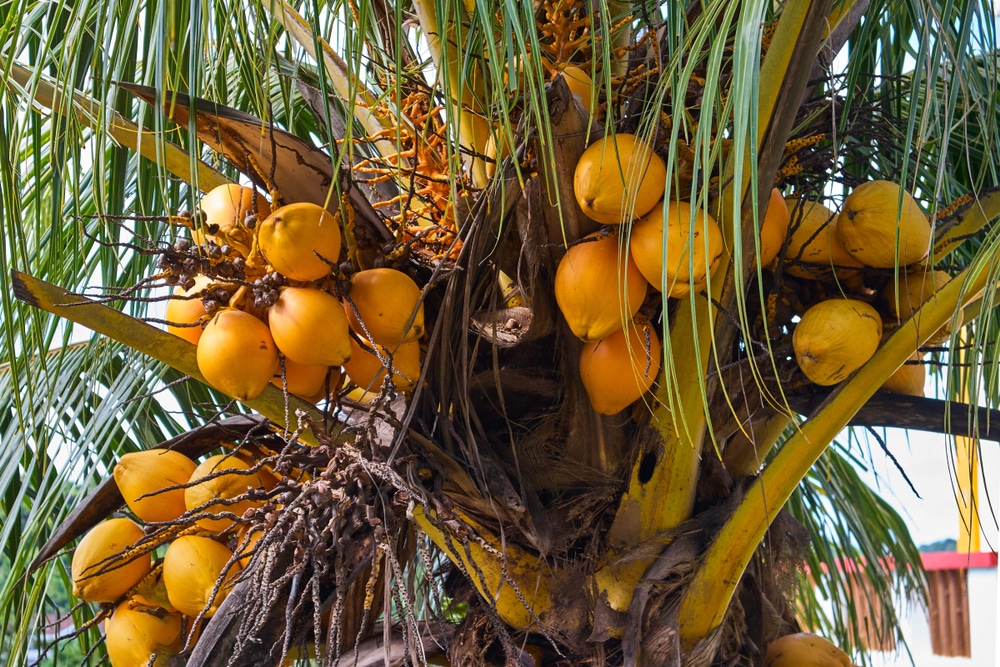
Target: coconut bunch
(879, 230)
(164, 579)
(647, 243)
(263, 298)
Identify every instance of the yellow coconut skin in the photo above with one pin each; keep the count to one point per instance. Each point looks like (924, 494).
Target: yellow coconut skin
(310, 327)
(304, 380)
(815, 243)
(834, 338)
(292, 237)
(146, 472)
(386, 300)
(871, 219)
(191, 568)
(804, 649)
(222, 487)
(618, 370)
(677, 272)
(598, 287)
(136, 635)
(187, 311)
(237, 354)
(226, 207)
(581, 85)
(773, 228)
(909, 379)
(367, 371)
(914, 289)
(98, 574)
(618, 178)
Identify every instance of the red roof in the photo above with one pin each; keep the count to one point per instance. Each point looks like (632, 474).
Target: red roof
(959, 560)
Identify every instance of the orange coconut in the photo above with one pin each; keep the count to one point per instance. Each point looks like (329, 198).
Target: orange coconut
(814, 247)
(301, 241)
(581, 85)
(618, 178)
(834, 338)
(102, 569)
(618, 370)
(368, 371)
(140, 476)
(598, 287)
(226, 208)
(137, 636)
(388, 302)
(303, 380)
(309, 326)
(221, 487)
(237, 354)
(915, 288)
(909, 378)
(690, 257)
(187, 308)
(774, 228)
(882, 226)
(192, 567)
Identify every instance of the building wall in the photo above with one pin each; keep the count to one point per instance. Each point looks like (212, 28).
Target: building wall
(984, 633)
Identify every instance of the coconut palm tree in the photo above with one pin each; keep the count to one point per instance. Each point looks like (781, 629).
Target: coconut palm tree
(517, 502)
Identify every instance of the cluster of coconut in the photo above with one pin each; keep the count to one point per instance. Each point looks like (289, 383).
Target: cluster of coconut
(286, 321)
(602, 280)
(158, 599)
(880, 226)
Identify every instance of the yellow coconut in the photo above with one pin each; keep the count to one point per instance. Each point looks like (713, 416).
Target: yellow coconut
(879, 230)
(618, 370)
(220, 485)
(774, 228)
(303, 380)
(914, 289)
(187, 308)
(496, 157)
(814, 248)
(226, 208)
(581, 85)
(618, 178)
(139, 636)
(804, 649)
(388, 302)
(140, 476)
(103, 568)
(192, 568)
(237, 354)
(309, 326)
(834, 338)
(690, 257)
(366, 370)
(598, 287)
(301, 241)
(909, 379)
